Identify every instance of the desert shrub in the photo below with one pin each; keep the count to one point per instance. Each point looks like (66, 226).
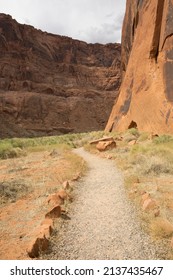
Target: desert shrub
(155, 166)
(163, 139)
(134, 131)
(11, 191)
(4, 149)
(11, 148)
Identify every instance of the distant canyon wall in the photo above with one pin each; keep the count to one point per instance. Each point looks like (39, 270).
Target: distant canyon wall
(52, 84)
(146, 95)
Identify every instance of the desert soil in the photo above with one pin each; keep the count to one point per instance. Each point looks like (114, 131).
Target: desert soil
(102, 223)
(34, 177)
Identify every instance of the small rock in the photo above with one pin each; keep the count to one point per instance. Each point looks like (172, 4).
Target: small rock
(45, 230)
(149, 204)
(75, 178)
(156, 212)
(55, 212)
(55, 199)
(39, 244)
(54, 153)
(145, 196)
(109, 157)
(47, 224)
(66, 185)
(62, 194)
(132, 142)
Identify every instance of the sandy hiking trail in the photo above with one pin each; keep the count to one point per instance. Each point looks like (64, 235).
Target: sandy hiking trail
(102, 223)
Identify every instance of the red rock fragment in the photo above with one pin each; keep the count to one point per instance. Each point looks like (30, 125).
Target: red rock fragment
(55, 212)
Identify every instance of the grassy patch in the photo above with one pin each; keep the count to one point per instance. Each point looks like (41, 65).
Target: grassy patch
(38, 164)
(161, 228)
(16, 147)
(12, 191)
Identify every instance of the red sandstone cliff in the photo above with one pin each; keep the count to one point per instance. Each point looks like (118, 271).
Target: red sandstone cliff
(51, 84)
(146, 95)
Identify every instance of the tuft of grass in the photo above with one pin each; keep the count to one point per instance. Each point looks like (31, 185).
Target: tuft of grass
(156, 166)
(131, 180)
(11, 191)
(77, 166)
(8, 151)
(161, 227)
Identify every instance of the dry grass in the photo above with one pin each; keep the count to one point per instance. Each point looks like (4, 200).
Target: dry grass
(40, 172)
(161, 227)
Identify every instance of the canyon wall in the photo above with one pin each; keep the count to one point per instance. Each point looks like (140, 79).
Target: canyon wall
(146, 94)
(51, 84)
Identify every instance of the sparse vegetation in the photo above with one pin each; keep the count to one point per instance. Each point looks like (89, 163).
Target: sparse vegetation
(16, 147)
(133, 131)
(11, 191)
(161, 228)
(147, 164)
(38, 164)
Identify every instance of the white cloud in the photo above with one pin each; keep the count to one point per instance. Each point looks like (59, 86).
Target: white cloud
(88, 20)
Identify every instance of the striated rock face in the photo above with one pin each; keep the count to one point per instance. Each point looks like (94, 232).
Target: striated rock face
(146, 95)
(51, 84)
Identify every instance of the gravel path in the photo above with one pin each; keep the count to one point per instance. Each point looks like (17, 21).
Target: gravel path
(102, 224)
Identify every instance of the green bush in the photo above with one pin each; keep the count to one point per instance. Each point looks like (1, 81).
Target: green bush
(134, 131)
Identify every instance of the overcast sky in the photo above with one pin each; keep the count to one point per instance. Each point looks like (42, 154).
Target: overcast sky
(88, 20)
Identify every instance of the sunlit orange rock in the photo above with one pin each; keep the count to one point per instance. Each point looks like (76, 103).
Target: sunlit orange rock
(146, 96)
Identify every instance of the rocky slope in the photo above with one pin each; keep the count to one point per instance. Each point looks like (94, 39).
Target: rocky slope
(146, 95)
(51, 84)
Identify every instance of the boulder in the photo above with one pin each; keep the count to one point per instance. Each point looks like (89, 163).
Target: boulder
(106, 145)
(96, 141)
